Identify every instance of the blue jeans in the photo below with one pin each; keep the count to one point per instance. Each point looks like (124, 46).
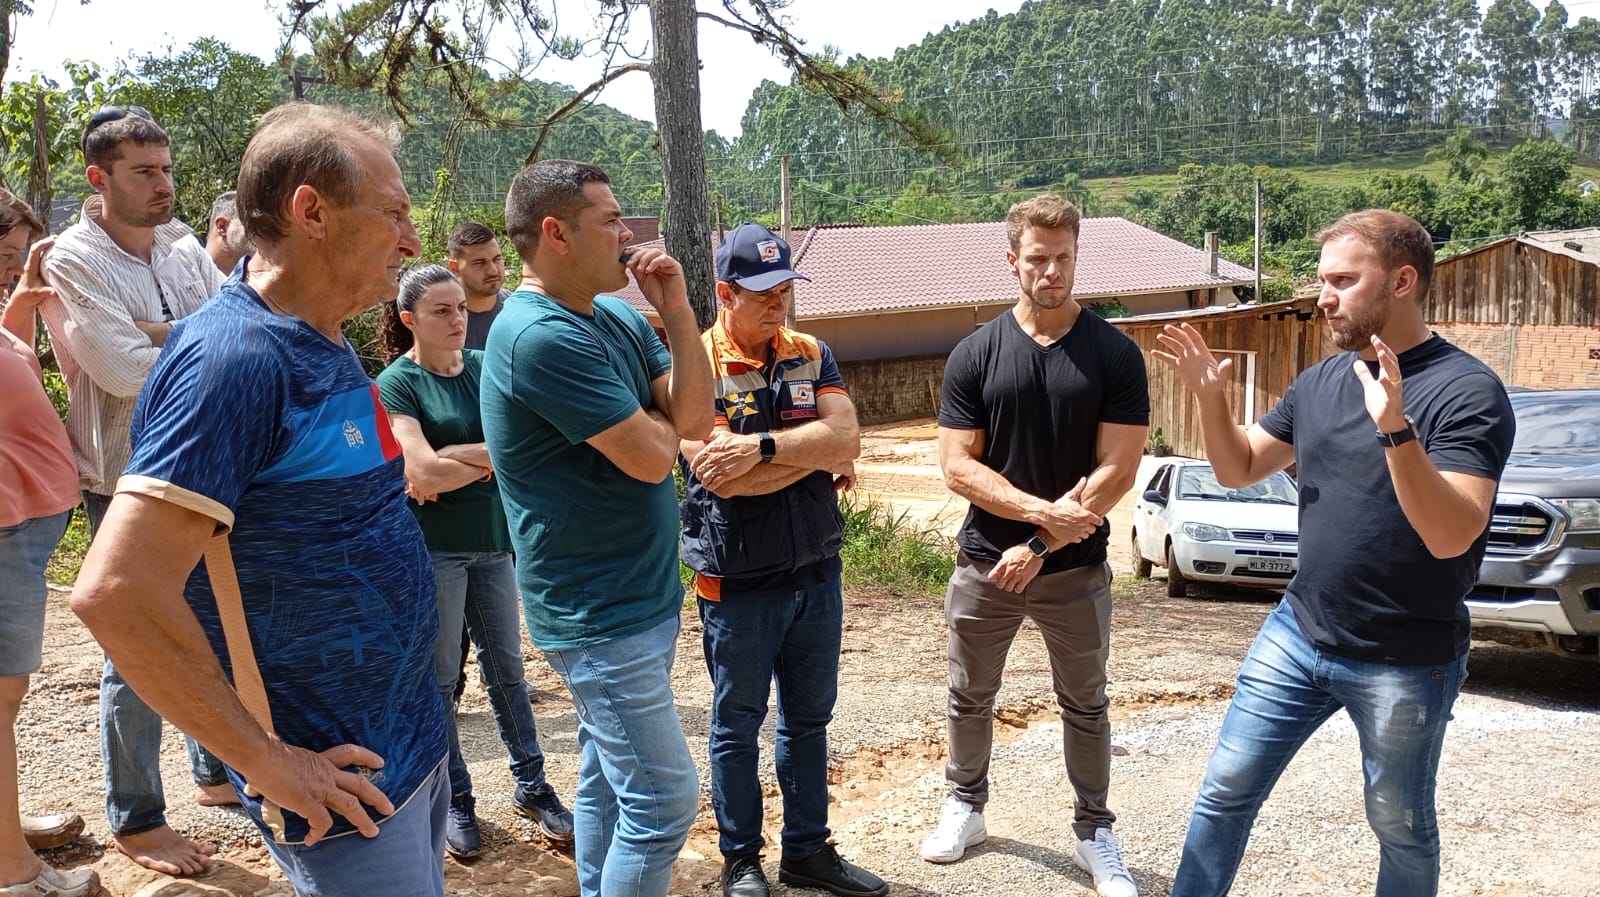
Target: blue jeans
(749, 640)
(1287, 688)
(637, 790)
(482, 589)
(130, 739)
(405, 860)
(25, 551)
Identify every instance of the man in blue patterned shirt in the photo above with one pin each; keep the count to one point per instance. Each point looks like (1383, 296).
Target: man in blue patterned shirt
(258, 424)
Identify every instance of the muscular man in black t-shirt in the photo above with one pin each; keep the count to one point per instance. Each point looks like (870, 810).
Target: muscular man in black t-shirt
(1042, 419)
(1398, 443)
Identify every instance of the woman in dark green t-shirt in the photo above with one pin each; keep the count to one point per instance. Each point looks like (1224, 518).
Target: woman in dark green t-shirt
(430, 390)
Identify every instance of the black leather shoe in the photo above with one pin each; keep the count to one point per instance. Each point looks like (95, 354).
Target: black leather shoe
(827, 871)
(742, 876)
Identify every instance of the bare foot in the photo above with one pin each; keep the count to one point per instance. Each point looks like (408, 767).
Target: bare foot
(164, 850)
(216, 795)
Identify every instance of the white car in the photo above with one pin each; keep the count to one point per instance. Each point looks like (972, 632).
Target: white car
(1202, 531)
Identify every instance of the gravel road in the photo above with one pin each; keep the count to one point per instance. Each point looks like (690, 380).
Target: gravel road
(1513, 811)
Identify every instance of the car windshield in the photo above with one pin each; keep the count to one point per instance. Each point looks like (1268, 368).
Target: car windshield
(1200, 484)
(1554, 424)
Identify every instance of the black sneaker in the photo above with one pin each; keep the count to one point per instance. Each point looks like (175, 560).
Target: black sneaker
(825, 870)
(461, 837)
(742, 876)
(540, 804)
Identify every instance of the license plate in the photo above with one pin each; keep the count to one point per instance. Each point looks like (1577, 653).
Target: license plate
(1270, 565)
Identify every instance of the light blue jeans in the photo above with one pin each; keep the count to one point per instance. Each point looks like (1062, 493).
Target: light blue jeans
(1287, 688)
(130, 739)
(481, 588)
(637, 788)
(25, 551)
(405, 860)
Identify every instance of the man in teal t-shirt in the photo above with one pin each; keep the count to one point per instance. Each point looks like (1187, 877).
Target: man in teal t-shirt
(583, 409)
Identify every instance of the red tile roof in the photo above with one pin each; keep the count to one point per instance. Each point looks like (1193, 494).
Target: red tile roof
(857, 269)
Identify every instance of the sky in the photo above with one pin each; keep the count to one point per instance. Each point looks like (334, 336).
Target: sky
(108, 30)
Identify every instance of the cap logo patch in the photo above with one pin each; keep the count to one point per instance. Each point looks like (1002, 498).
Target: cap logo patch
(768, 250)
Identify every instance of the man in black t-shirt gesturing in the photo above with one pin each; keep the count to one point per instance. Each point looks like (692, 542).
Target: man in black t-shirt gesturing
(1041, 422)
(1398, 442)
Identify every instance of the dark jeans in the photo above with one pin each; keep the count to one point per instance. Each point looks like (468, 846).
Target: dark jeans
(750, 640)
(130, 739)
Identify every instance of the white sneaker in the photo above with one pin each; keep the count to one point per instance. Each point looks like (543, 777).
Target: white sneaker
(960, 827)
(1102, 859)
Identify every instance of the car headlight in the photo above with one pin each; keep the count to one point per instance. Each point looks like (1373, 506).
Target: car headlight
(1205, 532)
(1583, 513)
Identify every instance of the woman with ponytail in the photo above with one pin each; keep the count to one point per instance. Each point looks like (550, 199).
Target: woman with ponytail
(430, 390)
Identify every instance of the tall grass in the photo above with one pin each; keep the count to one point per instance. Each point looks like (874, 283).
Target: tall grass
(888, 550)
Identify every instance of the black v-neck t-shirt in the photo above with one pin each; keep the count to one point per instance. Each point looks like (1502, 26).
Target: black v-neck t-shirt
(1041, 408)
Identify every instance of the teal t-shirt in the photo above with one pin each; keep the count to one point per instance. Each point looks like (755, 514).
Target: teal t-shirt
(471, 518)
(597, 550)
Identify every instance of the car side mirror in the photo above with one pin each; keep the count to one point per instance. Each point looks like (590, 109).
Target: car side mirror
(1155, 498)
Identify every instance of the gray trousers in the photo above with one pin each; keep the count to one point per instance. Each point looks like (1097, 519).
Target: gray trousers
(1072, 609)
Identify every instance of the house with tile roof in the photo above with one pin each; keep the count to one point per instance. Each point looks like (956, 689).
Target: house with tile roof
(898, 292)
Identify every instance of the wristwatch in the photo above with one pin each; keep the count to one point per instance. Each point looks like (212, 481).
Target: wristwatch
(769, 447)
(1037, 546)
(1399, 437)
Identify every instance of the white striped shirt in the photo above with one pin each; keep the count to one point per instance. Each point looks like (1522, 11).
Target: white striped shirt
(104, 357)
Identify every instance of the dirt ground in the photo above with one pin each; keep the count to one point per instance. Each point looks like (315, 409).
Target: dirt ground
(1513, 809)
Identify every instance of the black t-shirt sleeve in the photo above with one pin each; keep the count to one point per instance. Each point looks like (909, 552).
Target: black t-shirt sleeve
(1472, 431)
(961, 395)
(1279, 421)
(1127, 398)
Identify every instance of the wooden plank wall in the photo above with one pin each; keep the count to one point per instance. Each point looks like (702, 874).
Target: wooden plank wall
(1515, 283)
(1284, 346)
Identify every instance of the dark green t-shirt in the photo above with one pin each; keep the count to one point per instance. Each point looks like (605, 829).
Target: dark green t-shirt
(470, 518)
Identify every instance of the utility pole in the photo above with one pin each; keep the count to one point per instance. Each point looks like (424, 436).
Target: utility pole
(1258, 241)
(721, 232)
(783, 221)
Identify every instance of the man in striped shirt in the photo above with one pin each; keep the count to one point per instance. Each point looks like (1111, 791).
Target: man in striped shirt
(122, 275)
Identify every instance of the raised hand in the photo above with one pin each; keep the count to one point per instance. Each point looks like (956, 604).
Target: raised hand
(659, 276)
(32, 289)
(1382, 392)
(1188, 355)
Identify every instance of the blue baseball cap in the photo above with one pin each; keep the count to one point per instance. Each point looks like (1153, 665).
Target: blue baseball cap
(755, 259)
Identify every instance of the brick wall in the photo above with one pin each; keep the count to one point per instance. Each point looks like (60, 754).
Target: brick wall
(1492, 344)
(894, 388)
(1534, 355)
(1550, 357)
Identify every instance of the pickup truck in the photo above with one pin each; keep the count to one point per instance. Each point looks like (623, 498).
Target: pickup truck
(1541, 572)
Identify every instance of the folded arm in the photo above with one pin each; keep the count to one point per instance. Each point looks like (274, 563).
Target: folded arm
(116, 351)
(730, 463)
(429, 472)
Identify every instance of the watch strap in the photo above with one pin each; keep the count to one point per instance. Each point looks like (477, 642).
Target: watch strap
(1399, 437)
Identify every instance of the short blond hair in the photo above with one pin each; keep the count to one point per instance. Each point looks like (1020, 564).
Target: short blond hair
(1045, 212)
